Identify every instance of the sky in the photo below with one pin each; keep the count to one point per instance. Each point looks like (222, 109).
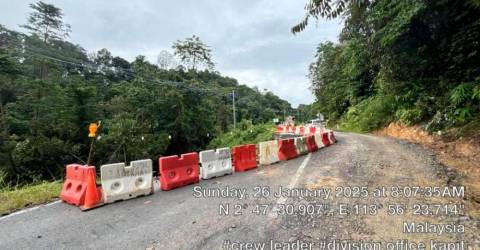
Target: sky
(250, 39)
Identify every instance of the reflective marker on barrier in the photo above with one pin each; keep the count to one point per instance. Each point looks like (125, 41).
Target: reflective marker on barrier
(215, 163)
(122, 182)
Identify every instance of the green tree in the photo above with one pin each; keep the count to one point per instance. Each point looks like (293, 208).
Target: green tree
(193, 53)
(103, 60)
(415, 61)
(46, 22)
(9, 71)
(328, 9)
(146, 112)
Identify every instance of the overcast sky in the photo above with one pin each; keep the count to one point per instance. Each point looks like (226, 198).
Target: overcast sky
(250, 39)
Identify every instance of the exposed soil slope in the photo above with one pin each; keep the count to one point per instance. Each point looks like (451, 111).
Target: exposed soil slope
(459, 153)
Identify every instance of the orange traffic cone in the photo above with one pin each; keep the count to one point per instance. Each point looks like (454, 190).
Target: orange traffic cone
(93, 197)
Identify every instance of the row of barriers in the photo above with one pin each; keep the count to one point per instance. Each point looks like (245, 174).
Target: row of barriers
(299, 130)
(120, 182)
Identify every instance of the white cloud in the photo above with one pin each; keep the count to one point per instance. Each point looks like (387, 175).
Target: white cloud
(289, 85)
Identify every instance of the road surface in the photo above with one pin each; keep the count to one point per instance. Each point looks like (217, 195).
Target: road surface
(354, 169)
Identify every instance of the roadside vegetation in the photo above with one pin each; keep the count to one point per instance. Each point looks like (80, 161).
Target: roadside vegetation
(12, 199)
(51, 89)
(407, 69)
(245, 133)
(415, 62)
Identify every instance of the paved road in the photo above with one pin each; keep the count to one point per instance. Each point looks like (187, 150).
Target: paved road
(179, 220)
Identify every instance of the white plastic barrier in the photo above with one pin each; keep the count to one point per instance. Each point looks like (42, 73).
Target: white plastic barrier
(120, 182)
(268, 152)
(318, 140)
(301, 145)
(215, 163)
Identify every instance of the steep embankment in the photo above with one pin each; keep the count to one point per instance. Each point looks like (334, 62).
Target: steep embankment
(460, 153)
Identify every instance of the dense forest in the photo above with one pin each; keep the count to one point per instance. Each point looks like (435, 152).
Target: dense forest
(417, 62)
(51, 89)
(413, 61)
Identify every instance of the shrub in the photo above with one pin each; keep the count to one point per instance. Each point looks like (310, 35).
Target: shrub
(409, 116)
(3, 180)
(245, 133)
(464, 101)
(369, 114)
(440, 120)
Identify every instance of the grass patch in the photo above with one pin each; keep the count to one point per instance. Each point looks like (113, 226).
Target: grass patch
(18, 198)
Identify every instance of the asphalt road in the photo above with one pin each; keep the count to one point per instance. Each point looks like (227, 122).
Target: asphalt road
(178, 219)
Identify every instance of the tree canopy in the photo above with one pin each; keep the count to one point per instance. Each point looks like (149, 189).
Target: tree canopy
(412, 61)
(193, 53)
(46, 22)
(146, 111)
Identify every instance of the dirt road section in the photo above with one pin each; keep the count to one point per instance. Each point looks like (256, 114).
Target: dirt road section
(459, 154)
(363, 190)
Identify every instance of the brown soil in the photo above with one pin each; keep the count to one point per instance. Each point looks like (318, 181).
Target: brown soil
(461, 154)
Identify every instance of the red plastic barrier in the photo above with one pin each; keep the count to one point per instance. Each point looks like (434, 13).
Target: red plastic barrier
(311, 145)
(302, 130)
(286, 149)
(312, 130)
(331, 137)
(290, 129)
(279, 129)
(80, 188)
(178, 172)
(325, 140)
(244, 157)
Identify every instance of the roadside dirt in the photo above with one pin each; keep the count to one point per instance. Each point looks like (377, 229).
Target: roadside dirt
(461, 155)
(361, 160)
